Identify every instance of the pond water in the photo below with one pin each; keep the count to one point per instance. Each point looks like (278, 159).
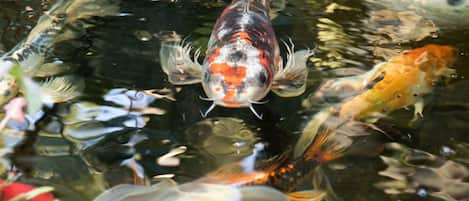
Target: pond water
(114, 132)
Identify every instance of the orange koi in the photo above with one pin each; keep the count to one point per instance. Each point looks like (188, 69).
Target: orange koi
(283, 171)
(398, 83)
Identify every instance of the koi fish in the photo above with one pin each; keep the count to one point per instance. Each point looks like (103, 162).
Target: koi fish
(400, 82)
(284, 171)
(242, 62)
(53, 27)
(250, 184)
(396, 84)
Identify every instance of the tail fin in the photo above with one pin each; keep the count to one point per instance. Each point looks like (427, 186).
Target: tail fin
(327, 146)
(280, 171)
(247, 4)
(235, 174)
(310, 131)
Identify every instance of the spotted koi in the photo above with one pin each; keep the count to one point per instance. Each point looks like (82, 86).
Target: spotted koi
(243, 61)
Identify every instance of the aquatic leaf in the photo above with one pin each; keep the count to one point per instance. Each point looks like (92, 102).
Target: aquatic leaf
(30, 88)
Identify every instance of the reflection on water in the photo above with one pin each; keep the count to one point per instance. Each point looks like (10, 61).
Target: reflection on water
(129, 125)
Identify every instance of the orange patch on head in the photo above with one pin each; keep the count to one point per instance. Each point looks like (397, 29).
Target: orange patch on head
(233, 76)
(214, 55)
(263, 59)
(428, 53)
(243, 35)
(228, 99)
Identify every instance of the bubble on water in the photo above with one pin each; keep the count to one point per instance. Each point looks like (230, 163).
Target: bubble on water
(446, 151)
(239, 144)
(28, 8)
(143, 35)
(124, 14)
(422, 192)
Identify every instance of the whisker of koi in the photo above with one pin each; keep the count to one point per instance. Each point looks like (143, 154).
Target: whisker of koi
(258, 102)
(253, 110)
(206, 98)
(204, 114)
(290, 51)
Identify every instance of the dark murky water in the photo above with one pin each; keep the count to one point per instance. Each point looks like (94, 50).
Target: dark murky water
(85, 146)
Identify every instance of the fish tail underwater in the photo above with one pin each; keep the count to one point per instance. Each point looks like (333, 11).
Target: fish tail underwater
(284, 172)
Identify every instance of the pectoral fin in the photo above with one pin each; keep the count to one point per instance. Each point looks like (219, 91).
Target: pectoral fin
(291, 80)
(311, 195)
(61, 89)
(177, 63)
(418, 111)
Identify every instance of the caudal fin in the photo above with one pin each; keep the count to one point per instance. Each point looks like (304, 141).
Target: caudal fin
(327, 146)
(310, 131)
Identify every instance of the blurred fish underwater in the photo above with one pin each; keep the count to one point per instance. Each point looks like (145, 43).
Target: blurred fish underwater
(93, 107)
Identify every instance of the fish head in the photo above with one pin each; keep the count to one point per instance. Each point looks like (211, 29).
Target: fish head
(431, 58)
(235, 77)
(8, 88)
(444, 53)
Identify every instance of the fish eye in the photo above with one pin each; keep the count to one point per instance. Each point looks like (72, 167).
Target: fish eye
(206, 77)
(455, 2)
(262, 78)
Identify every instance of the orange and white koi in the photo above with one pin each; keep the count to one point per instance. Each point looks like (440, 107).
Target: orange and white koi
(398, 83)
(283, 171)
(242, 61)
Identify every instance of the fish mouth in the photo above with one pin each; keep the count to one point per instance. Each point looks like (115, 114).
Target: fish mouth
(233, 104)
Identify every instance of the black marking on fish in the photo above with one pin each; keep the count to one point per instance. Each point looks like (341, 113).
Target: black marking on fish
(373, 82)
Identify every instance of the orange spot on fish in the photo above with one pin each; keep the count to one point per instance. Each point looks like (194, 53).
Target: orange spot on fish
(243, 36)
(233, 76)
(214, 55)
(263, 59)
(229, 97)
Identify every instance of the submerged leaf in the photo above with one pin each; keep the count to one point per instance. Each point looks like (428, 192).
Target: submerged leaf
(30, 88)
